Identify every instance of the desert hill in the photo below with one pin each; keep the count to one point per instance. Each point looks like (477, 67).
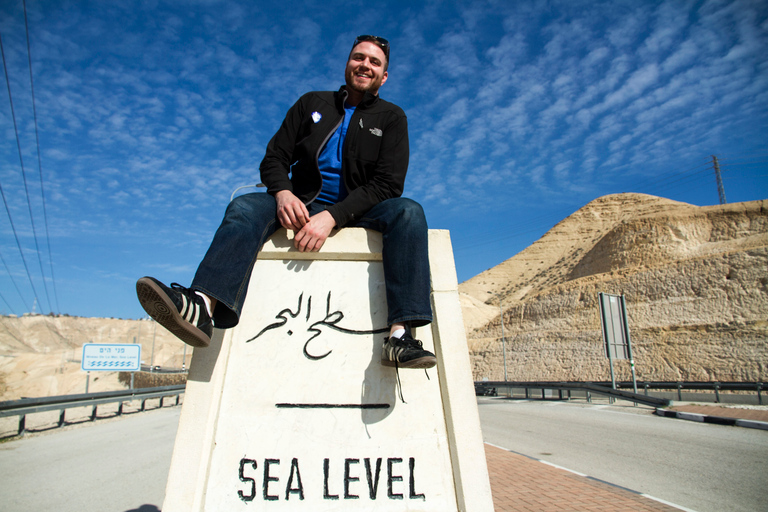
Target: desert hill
(695, 280)
(40, 355)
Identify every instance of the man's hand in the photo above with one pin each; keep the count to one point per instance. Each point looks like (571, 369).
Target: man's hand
(314, 233)
(291, 212)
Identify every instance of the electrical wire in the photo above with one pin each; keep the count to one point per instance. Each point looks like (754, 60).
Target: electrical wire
(668, 179)
(2, 193)
(39, 159)
(742, 177)
(547, 221)
(14, 283)
(6, 303)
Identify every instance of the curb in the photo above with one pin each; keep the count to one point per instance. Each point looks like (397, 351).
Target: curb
(717, 420)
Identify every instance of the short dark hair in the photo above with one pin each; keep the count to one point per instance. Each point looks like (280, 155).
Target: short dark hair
(378, 41)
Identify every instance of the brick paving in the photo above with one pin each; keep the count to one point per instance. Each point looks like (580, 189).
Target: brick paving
(521, 484)
(758, 414)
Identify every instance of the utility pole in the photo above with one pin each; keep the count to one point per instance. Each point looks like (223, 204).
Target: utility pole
(719, 178)
(503, 340)
(152, 361)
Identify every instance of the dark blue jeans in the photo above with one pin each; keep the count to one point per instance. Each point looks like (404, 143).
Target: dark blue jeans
(251, 219)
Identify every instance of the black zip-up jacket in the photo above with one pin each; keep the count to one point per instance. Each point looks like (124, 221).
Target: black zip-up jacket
(375, 152)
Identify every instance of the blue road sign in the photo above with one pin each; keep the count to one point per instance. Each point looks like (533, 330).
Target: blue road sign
(111, 357)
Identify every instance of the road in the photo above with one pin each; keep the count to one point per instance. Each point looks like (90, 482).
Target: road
(121, 465)
(703, 467)
(114, 465)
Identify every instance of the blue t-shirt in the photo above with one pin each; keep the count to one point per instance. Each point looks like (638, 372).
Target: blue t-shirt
(329, 162)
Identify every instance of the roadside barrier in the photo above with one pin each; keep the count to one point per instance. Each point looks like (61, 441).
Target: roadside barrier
(491, 388)
(565, 389)
(61, 403)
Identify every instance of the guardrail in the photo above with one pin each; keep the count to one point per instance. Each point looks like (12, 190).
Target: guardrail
(491, 388)
(61, 403)
(758, 387)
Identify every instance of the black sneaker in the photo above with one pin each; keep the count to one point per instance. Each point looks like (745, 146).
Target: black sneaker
(178, 309)
(406, 352)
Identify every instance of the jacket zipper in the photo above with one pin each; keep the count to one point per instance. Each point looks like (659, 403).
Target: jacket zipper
(317, 157)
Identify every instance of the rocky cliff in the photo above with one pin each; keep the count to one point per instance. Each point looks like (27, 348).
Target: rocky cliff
(695, 281)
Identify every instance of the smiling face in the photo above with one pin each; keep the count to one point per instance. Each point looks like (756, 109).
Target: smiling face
(365, 71)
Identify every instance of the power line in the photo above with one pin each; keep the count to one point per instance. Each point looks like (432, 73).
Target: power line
(552, 218)
(656, 183)
(728, 161)
(24, 179)
(689, 177)
(13, 281)
(39, 160)
(2, 193)
(742, 177)
(537, 224)
(533, 225)
(6, 303)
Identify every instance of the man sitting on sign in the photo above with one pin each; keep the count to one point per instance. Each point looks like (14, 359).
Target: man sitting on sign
(338, 160)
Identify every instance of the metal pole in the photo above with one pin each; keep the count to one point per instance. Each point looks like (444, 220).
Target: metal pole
(87, 381)
(152, 361)
(606, 338)
(719, 178)
(629, 342)
(503, 341)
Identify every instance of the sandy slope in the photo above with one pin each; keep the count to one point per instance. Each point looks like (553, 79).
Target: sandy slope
(40, 355)
(621, 232)
(696, 277)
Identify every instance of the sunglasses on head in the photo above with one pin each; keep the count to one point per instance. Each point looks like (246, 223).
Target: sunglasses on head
(378, 41)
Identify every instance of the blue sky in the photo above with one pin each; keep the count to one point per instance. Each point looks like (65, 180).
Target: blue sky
(149, 114)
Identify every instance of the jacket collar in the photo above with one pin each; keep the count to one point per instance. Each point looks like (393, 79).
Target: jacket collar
(341, 96)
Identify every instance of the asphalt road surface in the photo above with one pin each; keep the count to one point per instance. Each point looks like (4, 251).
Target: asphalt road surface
(121, 465)
(114, 465)
(702, 467)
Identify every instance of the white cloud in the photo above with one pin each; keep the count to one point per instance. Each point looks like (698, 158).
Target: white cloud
(165, 108)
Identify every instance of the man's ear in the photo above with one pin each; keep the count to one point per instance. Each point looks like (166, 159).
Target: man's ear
(384, 78)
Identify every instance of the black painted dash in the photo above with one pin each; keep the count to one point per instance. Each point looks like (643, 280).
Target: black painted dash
(332, 406)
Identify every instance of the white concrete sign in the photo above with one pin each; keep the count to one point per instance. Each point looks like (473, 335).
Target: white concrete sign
(110, 357)
(292, 409)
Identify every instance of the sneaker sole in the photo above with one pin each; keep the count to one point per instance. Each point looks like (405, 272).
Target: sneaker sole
(418, 363)
(160, 307)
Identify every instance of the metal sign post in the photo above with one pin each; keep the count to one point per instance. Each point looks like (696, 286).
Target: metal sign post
(625, 323)
(613, 317)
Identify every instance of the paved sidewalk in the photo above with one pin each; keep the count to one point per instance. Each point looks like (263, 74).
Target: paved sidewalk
(522, 484)
(756, 414)
(730, 416)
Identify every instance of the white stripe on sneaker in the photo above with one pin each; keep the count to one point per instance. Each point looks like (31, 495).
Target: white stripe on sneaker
(195, 314)
(393, 352)
(184, 307)
(190, 310)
